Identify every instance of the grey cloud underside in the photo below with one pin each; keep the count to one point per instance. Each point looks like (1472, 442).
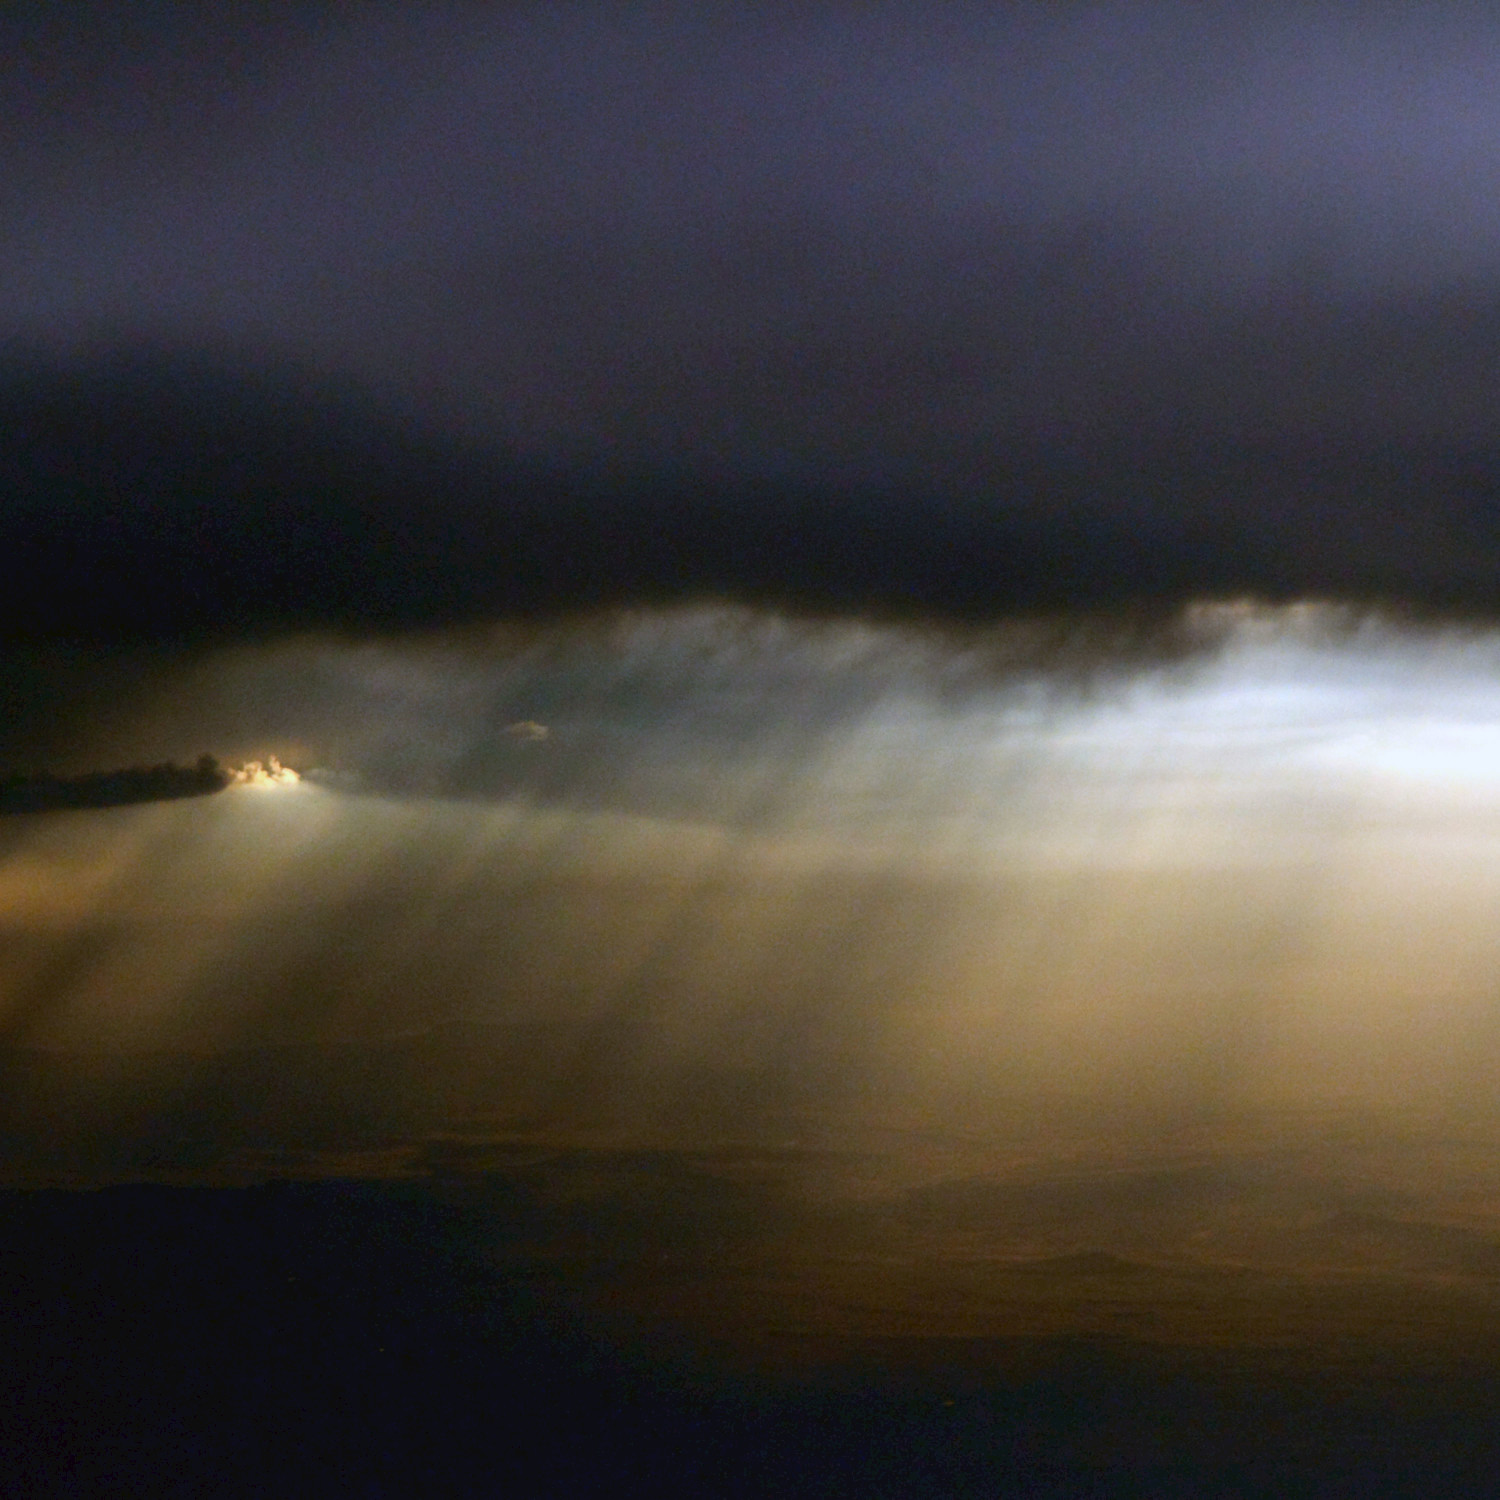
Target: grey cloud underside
(924, 252)
(166, 497)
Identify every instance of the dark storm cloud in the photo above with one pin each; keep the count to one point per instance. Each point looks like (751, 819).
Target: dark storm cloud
(956, 306)
(150, 498)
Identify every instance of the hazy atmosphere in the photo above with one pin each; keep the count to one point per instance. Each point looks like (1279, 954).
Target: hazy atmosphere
(755, 868)
(749, 752)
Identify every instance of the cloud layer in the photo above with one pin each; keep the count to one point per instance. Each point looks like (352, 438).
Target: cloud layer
(946, 309)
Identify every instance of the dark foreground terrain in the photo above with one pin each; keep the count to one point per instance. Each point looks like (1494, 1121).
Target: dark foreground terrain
(493, 1334)
(99, 789)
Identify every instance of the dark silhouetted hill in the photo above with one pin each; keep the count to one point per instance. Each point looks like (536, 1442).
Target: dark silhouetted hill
(47, 793)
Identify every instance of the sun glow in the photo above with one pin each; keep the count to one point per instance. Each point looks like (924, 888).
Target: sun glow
(267, 774)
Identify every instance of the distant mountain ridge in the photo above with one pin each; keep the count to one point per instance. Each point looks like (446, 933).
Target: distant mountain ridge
(43, 792)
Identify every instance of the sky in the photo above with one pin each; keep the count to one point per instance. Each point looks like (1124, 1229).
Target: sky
(883, 622)
(1212, 282)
